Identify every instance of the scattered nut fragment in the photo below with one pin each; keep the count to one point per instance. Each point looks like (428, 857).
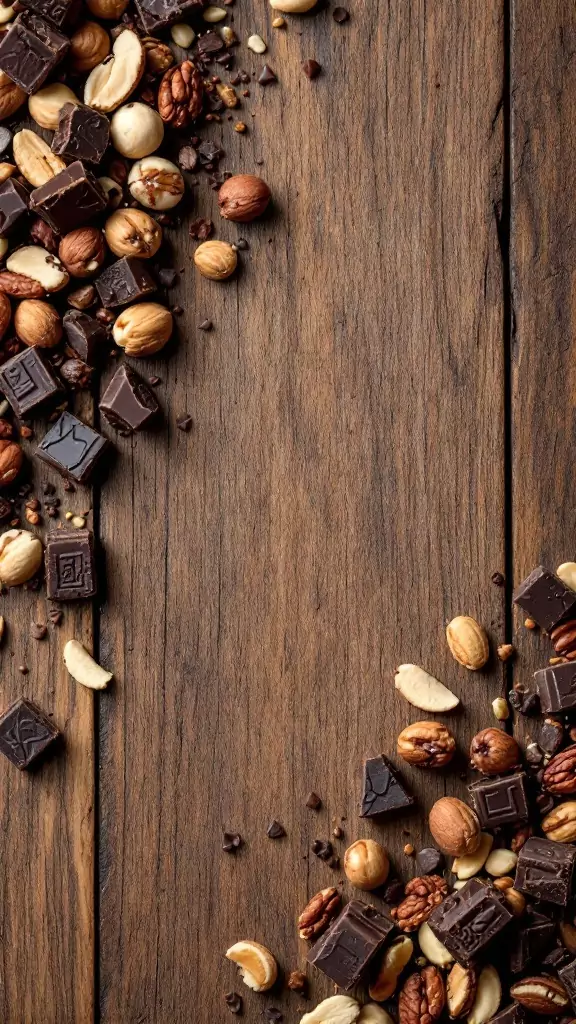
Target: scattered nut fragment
(501, 862)
(183, 35)
(366, 864)
(216, 260)
(213, 14)
(159, 56)
(279, 22)
(505, 651)
(83, 668)
(133, 233)
(395, 958)
(89, 46)
(500, 709)
(432, 948)
(20, 557)
(488, 996)
(257, 966)
(143, 329)
(243, 197)
(156, 183)
(334, 1010)
(560, 824)
(34, 158)
(469, 865)
(468, 642)
(493, 751)
(37, 324)
(543, 995)
(455, 827)
(228, 95)
(110, 83)
(46, 104)
(426, 744)
(83, 297)
(318, 913)
(136, 130)
(256, 44)
(461, 990)
(567, 573)
(82, 252)
(297, 981)
(423, 690)
(292, 6)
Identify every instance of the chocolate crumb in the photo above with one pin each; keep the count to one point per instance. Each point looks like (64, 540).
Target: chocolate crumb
(23, 669)
(498, 579)
(338, 832)
(232, 842)
(314, 802)
(234, 1002)
(55, 616)
(184, 422)
(311, 68)
(167, 277)
(201, 228)
(242, 244)
(275, 830)
(340, 15)
(154, 381)
(206, 325)
(323, 849)
(38, 630)
(273, 1014)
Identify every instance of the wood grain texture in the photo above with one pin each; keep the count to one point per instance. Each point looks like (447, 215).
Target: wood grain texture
(339, 498)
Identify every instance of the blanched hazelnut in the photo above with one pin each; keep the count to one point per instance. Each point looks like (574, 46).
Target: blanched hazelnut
(133, 233)
(37, 324)
(136, 130)
(89, 46)
(144, 329)
(46, 104)
(156, 183)
(82, 251)
(366, 864)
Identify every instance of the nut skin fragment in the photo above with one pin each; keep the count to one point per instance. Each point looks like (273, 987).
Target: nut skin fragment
(393, 963)
(422, 895)
(560, 824)
(461, 990)
(426, 744)
(422, 997)
(89, 46)
(258, 968)
(243, 198)
(83, 668)
(181, 95)
(318, 913)
(455, 827)
(560, 774)
(468, 642)
(493, 751)
(542, 995)
(82, 252)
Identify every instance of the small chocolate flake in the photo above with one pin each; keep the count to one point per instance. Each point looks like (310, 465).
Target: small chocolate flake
(498, 579)
(242, 244)
(232, 842)
(23, 669)
(267, 76)
(311, 68)
(338, 832)
(234, 1002)
(314, 801)
(274, 1015)
(394, 893)
(167, 277)
(184, 423)
(275, 830)
(38, 630)
(55, 616)
(334, 863)
(340, 15)
(323, 849)
(206, 325)
(201, 229)
(154, 381)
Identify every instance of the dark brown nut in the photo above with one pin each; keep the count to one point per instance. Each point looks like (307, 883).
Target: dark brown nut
(564, 639)
(461, 986)
(11, 96)
(422, 895)
(11, 458)
(426, 744)
(20, 286)
(543, 995)
(521, 836)
(493, 751)
(318, 913)
(89, 46)
(82, 252)
(560, 774)
(42, 234)
(422, 997)
(180, 97)
(243, 197)
(83, 297)
(6, 430)
(37, 324)
(297, 981)
(159, 56)
(77, 374)
(5, 313)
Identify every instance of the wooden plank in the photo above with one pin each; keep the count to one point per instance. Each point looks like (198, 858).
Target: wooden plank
(341, 496)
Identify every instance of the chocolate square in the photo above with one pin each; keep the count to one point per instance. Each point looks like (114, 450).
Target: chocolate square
(27, 382)
(545, 869)
(383, 790)
(567, 976)
(466, 922)
(500, 801)
(128, 403)
(545, 598)
(72, 447)
(70, 568)
(556, 687)
(55, 10)
(30, 50)
(124, 282)
(156, 14)
(70, 199)
(85, 335)
(14, 201)
(532, 940)
(347, 949)
(25, 733)
(82, 134)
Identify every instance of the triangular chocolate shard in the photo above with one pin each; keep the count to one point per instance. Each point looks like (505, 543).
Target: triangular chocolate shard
(383, 790)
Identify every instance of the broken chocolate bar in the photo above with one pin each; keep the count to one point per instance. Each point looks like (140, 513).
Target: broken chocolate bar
(545, 870)
(532, 940)
(55, 10)
(383, 790)
(556, 687)
(25, 733)
(70, 568)
(82, 133)
(128, 403)
(30, 50)
(347, 949)
(124, 282)
(27, 382)
(500, 802)
(156, 14)
(545, 598)
(72, 447)
(567, 975)
(70, 199)
(13, 204)
(85, 335)
(467, 921)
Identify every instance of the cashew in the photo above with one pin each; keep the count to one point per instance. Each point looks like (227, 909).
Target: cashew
(83, 668)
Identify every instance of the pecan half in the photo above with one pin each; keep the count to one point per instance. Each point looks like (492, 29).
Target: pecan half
(560, 774)
(20, 286)
(180, 96)
(564, 639)
(317, 914)
(422, 997)
(422, 895)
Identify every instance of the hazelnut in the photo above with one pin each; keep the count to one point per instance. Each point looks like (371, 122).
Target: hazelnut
(366, 864)
(144, 329)
(216, 260)
(6, 429)
(46, 104)
(82, 251)
(133, 233)
(159, 56)
(10, 462)
(454, 826)
(20, 556)
(156, 183)
(493, 751)
(243, 197)
(109, 10)
(89, 46)
(11, 96)
(37, 324)
(136, 130)
(83, 297)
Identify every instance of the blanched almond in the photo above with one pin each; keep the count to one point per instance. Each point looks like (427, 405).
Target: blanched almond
(257, 966)
(34, 158)
(112, 82)
(423, 690)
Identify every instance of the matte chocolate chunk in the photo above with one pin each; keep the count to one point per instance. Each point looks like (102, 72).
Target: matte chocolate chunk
(70, 199)
(347, 949)
(30, 50)
(55, 10)
(158, 13)
(70, 567)
(275, 830)
(25, 733)
(430, 861)
(532, 940)
(513, 1014)
(567, 976)
(466, 922)
(27, 382)
(72, 447)
(13, 204)
(124, 282)
(545, 869)
(383, 790)
(556, 687)
(82, 134)
(500, 801)
(545, 598)
(128, 403)
(86, 335)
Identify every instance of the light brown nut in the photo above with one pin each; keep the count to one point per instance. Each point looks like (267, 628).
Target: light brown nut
(560, 773)
(34, 158)
(469, 865)
(334, 1010)
(501, 862)
(37, 324)
(468, 642)
(11, 96)
(133, 233)
(46, 104)
(423, 690)
(181, 95)
(371, 1013)
(227, 94)
(366, 864)
(395, 958)
(422, 997)
(541, 994)
(156, 183)
(318, 913)
(461, 990)
(216, 260)
(6, 171)
(432, 948)
(159, 56)
(488, 996)
(110, 83)
(89, 46)
(493, 751)
(257, 966)
(292, 6)
(20, 287)
(5, 313)
(39, 265)
(144, 329)
(568, 935)
(11, 459)
(426, 744)
(136, 130)
(505, 651)
(560, 824)
(500, 709)
(455, 827)
(83, 297)
(82, 251)
(20, 557)
(515, 900)
(109, 10)
(243, 198)
(422, 895)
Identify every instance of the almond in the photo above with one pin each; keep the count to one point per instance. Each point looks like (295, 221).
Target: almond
(34, 158)
(423, 690)
(454, 826)
(488, 996)
(112, 82)
(468, 642)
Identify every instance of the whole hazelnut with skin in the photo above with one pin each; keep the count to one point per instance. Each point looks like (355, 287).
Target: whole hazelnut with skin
(37, 324)
(136, 130)
(11, 458)
(5, 314)
(11, 96)
(216, 260)
(144, 329)
(493, 751)
(366, 864)
(82, 251)
(243, 197)
(89, 46)
(108, 10)
(133, 233)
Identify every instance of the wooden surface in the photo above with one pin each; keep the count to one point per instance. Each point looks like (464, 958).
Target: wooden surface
(371, 442)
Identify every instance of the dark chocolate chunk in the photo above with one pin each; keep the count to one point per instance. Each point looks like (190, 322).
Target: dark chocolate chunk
(532, 940)
(86, 335)
(27, 382)
(346, 950)
(55, 10)
(206, 325)
(124, 282)
(30, 50)
(128, 403)
(234, 1002)
(70, 566)
(168, 277)
(383, 790)
(466, 922)
(548, 733)
(313, 801)
(567, 975)
(72, 447)
(70, 199)
(275, 830)
(394, 892)
(545, 869)
(232, 842)
(82, 134)
(430, 861)
(545, 598)
(323, 849)
(311, 68)
(25, 733)
(13, 204)
(513, 1014)
(500, 801)
(184, 422)
(557, 957)
(267, 76)
(557, 687)
(156, 14)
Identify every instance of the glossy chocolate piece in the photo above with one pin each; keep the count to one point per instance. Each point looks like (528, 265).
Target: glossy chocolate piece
(25, 733)
(128, 403)
(545, 598)
(158, 13)
(531, 941)
(347, 949)
(383, 790)
(556, 687)
(70, 567)
(567, 976)
(14, 201)
(27, 382)
(55, 11)
(85, 335)
(82, 134)
(30, 51)
(72, 447)
(548, 733)
(545, 869)
(466, 922)
(500, 802)
(124, 282)
(70, 199)
(430, 861)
